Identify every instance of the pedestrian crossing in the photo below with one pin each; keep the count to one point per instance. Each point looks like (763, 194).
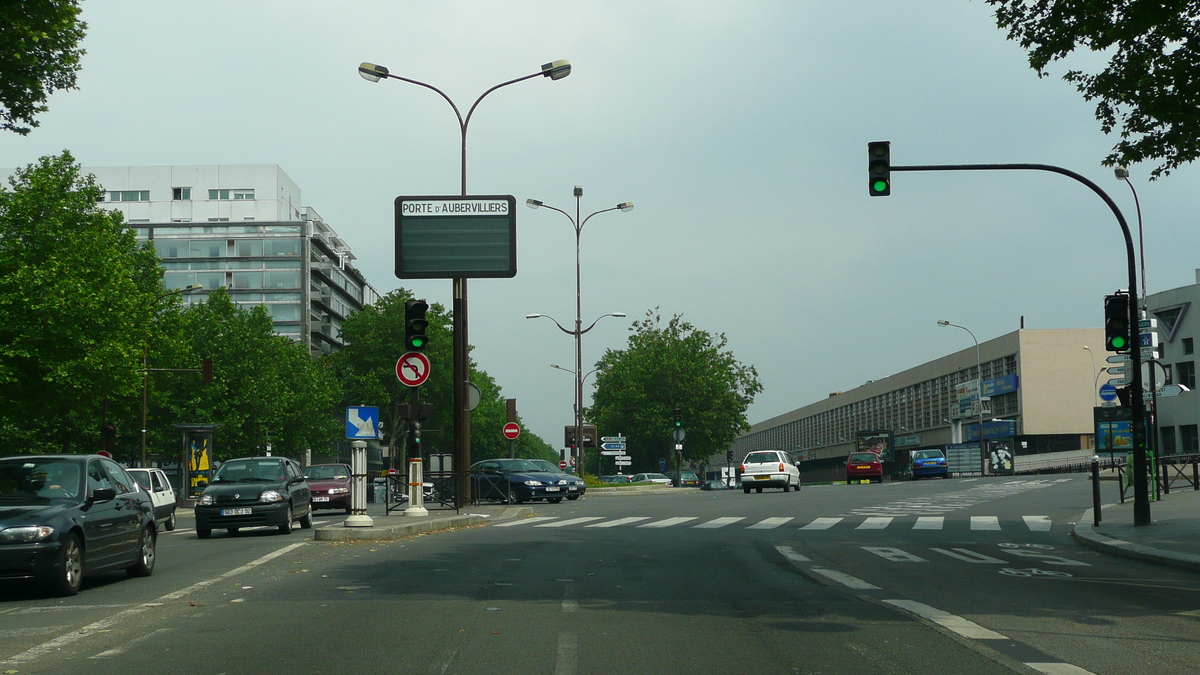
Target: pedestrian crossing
(1029, 523)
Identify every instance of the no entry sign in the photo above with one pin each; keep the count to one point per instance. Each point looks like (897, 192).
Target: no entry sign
(511, 431)
(562, 464)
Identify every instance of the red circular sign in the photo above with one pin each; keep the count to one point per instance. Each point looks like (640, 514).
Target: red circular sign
(562, 464)
(413, 369)
(104, 453)
(392, 472)
(511, 430)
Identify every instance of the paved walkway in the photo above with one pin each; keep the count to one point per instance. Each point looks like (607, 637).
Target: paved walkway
(1172, 538)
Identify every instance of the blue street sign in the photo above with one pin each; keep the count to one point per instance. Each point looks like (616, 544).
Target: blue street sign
(362, 422)
(662, 463)
(1108, 392)
(612, 446)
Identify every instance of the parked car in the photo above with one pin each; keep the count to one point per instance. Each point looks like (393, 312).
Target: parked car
(929, 463)
(655, 478)
(253, 492)
(575, 486)
(616, 479)
(516, 480)
(162, 495)
(863, 466)
(689, 479)
(769, 468)
(330, 486)
(717, 484)
(64, 516)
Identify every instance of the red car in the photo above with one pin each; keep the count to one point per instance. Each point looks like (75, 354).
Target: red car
(863, 467)
(330, 486)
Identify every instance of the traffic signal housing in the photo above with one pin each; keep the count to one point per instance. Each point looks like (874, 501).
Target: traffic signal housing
(677, 415)
(415, 324)
(1117, 334)
(879, 168)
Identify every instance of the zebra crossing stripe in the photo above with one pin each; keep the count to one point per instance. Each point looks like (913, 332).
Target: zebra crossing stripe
(527, 521)
(985, 523)
(659, 524)
(573, 521)
(791, 556)
(620, 521)
(718, 522)
(929, 523)
(957, 624)
(844, 579)
(1038, 523)
(822, 524)
(875, 523)
(769, 523)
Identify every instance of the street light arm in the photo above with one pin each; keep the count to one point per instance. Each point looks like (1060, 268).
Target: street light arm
(502, 84)
(547, 316)
(542, 205)
(616, 314)
(461, 124)
(597, 213)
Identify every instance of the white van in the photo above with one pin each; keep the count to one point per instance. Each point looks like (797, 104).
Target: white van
(162, 495)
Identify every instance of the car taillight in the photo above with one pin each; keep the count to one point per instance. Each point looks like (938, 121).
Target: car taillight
(780, 467)
(743, 468)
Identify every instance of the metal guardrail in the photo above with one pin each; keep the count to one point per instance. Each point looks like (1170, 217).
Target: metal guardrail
(1178, 464)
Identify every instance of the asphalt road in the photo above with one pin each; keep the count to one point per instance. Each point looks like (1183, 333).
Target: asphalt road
(957, 576)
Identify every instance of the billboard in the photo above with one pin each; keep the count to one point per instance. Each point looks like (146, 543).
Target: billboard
(878, 442)
(456, 237)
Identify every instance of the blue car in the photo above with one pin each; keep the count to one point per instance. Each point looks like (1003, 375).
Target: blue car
(929, 463)
(522, 480)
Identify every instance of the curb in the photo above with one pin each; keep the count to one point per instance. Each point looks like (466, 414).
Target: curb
(637, 490)
(1085, 534)
(422, 526)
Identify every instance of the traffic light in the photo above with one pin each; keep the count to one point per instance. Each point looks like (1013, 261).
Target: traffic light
(206, 370)
(1117, 336)
(879, 168)
(415, 324)
(677, 414)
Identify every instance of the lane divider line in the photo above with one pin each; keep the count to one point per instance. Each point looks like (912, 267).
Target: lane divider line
(951, 622)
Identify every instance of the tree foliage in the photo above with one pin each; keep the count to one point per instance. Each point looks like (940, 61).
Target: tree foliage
(39, 53)
(1151, 87)
(76, 291)
(666, 367)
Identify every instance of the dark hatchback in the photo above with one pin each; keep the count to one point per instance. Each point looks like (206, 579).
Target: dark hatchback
(254, 492)
(66, 516)
(523, 480)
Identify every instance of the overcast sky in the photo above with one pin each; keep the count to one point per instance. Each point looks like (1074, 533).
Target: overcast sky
(739, 130)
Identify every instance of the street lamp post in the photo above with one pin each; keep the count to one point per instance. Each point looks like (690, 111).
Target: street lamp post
(555, 70)
(979, 374)
(146, 361)
(578, 224)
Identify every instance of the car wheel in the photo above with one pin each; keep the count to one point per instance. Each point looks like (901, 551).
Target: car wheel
(572, 497)
(69, 576)
(554, 500)
(286, 527)
(787, 486)
(746, 489)
(517, 499)
(306, 521)
(144, 566)
(169, 526)
(758, 490)
(203, 532)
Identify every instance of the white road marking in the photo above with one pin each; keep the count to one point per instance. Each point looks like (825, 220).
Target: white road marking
(573, 521)
(668, 522)
(718, 522)
(967, 555)
(1059, 669)
(527, 521)
(822, 524)
(985, 523)
(957, 624)
(121, 649)
(845, 579)
(893, 554)
(620, 521)
(567, 662)
(791, 555)
(1038, 523)
(875, 523)
(930, 523)
(769, 523)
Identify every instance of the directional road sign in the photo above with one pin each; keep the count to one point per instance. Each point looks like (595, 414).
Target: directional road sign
(413, 369)
(620, 463)
(614, 439)
(1119, 381)
(362, 422)
(612, 452)
(1172, 390)
(612, 446)
(1118, 358)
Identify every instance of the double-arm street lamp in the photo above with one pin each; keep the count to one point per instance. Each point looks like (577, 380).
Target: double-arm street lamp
(555, 70)
(979, 374)
(146, 360)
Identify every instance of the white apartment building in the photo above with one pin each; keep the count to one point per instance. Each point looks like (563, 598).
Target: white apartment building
(1178, 328)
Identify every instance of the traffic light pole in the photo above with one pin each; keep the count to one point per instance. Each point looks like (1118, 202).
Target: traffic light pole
(1141, 492)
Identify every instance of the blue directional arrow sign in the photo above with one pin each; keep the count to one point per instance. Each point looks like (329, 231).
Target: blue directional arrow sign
(362, 422)
(612, 446)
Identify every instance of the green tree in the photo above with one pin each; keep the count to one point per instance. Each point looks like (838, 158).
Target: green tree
(668, 367)
(1150, 89)
(76, 294)
(39, 53)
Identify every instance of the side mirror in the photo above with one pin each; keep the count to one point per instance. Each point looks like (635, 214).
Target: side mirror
(104, 494)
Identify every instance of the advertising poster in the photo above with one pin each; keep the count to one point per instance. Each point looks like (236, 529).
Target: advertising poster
(878, 442)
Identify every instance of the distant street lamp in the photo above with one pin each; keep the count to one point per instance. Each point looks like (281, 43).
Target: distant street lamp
(371, 72)
(1122, 173)
(979, 374)
(146, 361)
(578, 224)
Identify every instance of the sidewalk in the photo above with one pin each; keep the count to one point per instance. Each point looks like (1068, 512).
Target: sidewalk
(1172, 538)
(397, 525)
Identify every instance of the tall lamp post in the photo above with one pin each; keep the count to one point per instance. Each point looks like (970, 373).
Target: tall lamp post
(146, 361)
(555, 70)
(979, 374)
(578, 372)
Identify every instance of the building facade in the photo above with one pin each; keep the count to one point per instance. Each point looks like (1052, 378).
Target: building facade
(242, 227)
(1038, 389)
(1178, 329)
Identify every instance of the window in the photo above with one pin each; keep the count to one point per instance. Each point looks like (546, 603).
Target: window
(181, 194)
(248, 248)
(283, 279)
(218, 220)
(1187, 346)
(129, 196)
(1167, 446)
(1189, 439)
(206, 248)
(281, 247)
(1185, 374)
(243, 193)
(168, 248)
(247, 279)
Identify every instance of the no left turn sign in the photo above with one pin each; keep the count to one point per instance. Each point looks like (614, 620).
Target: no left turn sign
(413, 369)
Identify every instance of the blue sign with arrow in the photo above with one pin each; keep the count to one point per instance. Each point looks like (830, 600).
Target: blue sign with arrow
(612, 446)
(362, 422)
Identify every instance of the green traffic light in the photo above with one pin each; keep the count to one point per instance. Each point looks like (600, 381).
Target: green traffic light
(418, 343)
(879, 186)
(1117, 342)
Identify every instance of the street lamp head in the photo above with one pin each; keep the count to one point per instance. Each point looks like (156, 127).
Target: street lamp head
(372, 72)
(533, 203)
(556, 70)
(577, 192)
(192, 287)
(943, 323)
(619, 315)
(1121, 172)
(625, 206)
(533, 316)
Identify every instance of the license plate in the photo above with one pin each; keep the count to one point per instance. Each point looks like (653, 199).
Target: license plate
(320, 499)
(862, 467)
(551, 489)
(762, 478)
(572, 489)
(236, 512)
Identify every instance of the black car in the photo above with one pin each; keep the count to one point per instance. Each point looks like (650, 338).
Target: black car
(254, 492)
(522, 480)
(64, 516)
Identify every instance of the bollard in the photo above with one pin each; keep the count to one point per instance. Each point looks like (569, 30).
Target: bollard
(1095, 491)
(358, 487)
(416, 490)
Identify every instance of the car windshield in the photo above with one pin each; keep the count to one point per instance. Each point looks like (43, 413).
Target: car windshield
(40, 481)
(656, 476)
(864, 457)
(521, 466)
(761, 458)
(928, 454)
(328, 472)
(251, 471)
(545, 465)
